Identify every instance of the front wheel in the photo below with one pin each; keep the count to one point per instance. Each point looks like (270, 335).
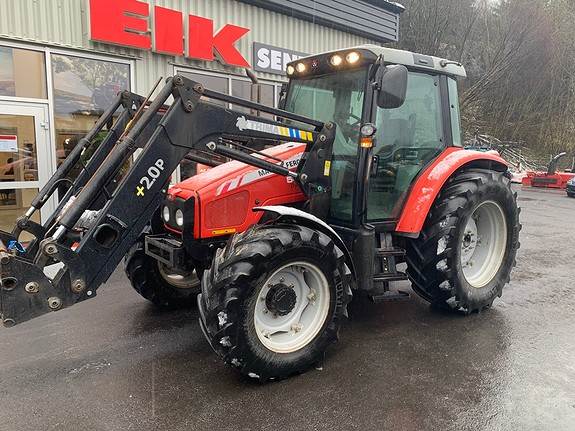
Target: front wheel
(157, 283)
(273, 300)
(466, 251)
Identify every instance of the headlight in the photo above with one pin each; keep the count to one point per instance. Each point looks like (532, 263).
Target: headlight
(180, 218)
(571, 182)
(166, 214)
(368, 130)
(301, 67)
(352, 57)
(290, 70)
(336, 60)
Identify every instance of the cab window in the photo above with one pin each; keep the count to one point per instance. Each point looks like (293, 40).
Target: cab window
(455, 113)
(408, 138)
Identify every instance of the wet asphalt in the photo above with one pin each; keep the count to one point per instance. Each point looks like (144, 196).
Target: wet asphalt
(115, 363)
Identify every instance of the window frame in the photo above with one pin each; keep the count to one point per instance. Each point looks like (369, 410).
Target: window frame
(451, 112)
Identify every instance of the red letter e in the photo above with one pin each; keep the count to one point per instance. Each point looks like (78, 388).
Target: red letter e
(109, 22)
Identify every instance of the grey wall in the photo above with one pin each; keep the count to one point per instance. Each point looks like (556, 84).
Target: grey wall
(64, 24)
(376, 20)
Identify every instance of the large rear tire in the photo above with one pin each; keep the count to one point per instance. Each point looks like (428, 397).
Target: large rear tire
(466, 251)
(273, 300)
(157, 283)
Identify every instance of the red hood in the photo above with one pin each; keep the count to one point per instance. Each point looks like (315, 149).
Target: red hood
(211, 180)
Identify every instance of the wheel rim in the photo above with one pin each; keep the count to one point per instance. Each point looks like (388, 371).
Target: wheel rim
(292, 307)
(188, 281)
(483, 244)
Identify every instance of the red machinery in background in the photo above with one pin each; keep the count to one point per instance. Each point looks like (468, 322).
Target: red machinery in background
(552, 179)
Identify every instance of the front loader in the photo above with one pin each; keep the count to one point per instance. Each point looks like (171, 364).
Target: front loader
(359, 171)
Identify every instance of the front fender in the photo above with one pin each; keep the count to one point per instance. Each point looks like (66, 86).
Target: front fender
(309, 220)
(428, 185)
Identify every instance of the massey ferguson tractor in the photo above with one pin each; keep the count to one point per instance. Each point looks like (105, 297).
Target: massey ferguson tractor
(359, 171)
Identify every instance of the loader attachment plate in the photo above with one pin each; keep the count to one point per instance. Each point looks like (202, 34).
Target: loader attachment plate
(26, 292)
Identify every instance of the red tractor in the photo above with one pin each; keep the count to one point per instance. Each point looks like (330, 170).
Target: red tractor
(361, 169)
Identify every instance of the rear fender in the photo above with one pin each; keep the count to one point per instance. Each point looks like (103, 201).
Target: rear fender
(428, 185)
(305, 219)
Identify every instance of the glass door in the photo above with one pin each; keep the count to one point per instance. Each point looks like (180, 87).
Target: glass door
(24, 159)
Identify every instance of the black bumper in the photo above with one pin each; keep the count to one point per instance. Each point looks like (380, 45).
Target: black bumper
(168, 250)
(571, 190)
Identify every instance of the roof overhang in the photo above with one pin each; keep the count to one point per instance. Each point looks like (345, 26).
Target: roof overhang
(377, 20)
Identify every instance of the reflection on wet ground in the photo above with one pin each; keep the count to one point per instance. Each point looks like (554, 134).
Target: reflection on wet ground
(115, 363)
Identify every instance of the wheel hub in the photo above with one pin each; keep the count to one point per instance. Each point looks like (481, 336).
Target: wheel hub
(470, 240)
(291, 307)
(483, 244)
(281, 299)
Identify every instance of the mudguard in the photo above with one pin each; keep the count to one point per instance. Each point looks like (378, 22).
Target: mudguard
(431, 181)
(310, 220)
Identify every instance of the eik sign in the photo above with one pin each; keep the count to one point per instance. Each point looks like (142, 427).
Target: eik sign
(126, 23)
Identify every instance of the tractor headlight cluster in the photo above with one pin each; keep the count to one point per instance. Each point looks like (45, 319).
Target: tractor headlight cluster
(178, 213)
(350, 59)
(324, 64)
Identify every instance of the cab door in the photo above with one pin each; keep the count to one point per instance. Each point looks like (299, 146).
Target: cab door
(408, 139)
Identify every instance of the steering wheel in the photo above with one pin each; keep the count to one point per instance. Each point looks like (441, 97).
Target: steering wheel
(346, 147)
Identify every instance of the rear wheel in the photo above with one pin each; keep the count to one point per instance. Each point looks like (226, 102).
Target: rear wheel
(273, 300)
(158, 283)
(466, 251)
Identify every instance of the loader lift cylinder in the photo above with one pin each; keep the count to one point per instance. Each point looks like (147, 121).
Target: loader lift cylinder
(70, 161)
(124, 99)
(114, 162)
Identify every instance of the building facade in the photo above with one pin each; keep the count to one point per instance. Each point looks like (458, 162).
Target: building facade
(63, 61)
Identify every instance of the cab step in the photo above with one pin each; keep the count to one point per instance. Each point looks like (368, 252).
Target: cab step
(390, 252)
(389, 296)
(389, 277)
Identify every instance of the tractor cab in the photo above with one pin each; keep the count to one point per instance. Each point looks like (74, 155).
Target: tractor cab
(394, 111)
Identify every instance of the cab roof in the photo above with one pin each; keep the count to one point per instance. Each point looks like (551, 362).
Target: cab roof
(413, 60)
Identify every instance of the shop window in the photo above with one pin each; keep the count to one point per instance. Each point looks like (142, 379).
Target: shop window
(22, 73)
(211, 82)
(243, 89)
(18, 160)
(83, 89)
(13, 204)
(239, 88)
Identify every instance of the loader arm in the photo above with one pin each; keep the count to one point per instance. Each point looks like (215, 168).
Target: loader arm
(87, 256)
(129, 103)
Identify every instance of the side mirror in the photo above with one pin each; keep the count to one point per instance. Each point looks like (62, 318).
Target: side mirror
(392, 84)
(282, 98)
